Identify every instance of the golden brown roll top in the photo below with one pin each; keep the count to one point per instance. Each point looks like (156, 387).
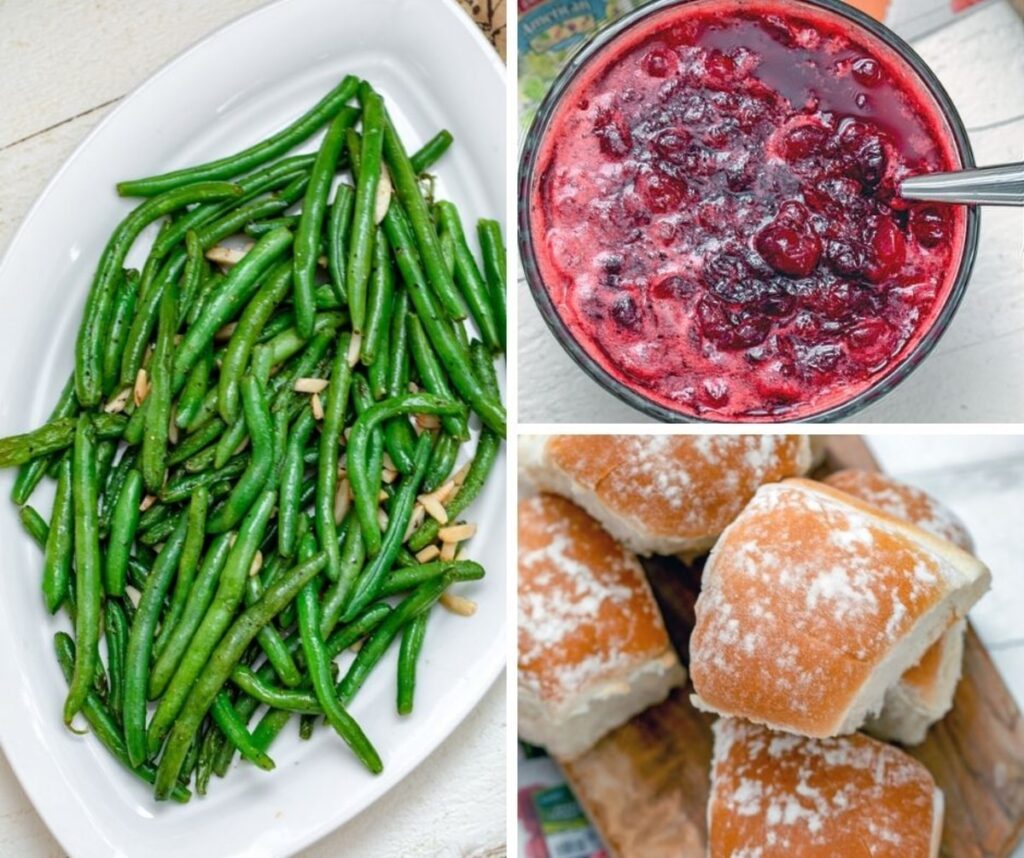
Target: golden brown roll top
(662, 494)
(814, 603)
(593, 650)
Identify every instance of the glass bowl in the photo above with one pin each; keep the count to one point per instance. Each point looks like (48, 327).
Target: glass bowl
(896, 372)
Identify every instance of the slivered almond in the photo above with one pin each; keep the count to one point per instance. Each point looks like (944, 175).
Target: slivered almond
(342, 500)
(257, 564)
(458, 604)
(134, 596)
(414, 387)
(388, 463)
(382, 496)
(321, 261)
(434, 508)
(226, 331)
(388, 476)
(382, 519)
(457, 532)
(119, 402)
(415, 521)
(445, 491)
(448, 551)
(227, 256)
(428, 554)
(317, 406)
(460, 474)
(147, 502)
(142, 386)
(172, 430)
(354, 345)
(462, 555)
(428, 421)
(310, 385)
(382, 201)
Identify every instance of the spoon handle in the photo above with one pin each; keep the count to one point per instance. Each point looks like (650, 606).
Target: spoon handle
(991, 186)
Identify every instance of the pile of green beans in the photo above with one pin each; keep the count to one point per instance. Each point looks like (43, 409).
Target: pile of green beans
(257, 454)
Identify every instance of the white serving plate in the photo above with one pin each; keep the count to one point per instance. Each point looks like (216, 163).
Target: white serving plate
(233, 88)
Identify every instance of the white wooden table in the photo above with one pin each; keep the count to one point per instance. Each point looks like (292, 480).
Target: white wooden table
(974, 374)
(63, 66)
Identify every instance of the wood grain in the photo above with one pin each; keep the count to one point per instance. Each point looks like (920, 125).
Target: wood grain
(491, 18)
(645, 785)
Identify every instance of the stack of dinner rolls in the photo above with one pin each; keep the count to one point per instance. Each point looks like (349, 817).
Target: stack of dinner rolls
(825, 608)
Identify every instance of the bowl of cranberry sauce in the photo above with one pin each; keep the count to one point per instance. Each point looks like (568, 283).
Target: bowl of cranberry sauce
(709, 219)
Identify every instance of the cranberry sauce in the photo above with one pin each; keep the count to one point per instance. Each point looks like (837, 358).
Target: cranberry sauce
(715, 217)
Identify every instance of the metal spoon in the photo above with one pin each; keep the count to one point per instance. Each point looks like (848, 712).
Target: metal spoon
(988, 186)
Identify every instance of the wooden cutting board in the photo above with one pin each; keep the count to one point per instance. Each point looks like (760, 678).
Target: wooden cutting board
(645, 785)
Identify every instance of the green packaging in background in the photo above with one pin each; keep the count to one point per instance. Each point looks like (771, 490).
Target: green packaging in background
(551, 31)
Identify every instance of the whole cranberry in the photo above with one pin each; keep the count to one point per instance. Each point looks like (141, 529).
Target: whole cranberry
(870, 342)
(788, 250)
(659, 62)
(863, 152)
(929, 226)
(673, 288)
(730, 330)
(867, 71)
(888, 250)
(846, 257)
(625, 311)
(672, 144)
(661, 193)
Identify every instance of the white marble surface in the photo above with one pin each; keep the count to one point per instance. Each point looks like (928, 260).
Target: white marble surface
(974, 373)
(63, 65)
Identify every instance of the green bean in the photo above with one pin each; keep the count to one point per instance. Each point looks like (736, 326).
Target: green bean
(307, 236)
(88, 575)
(259, 228)
(492, 248)
(448, 250)
(431, 151)
(403, 177)
(55, 436)
(318, 664)
(290, 699)
(115, 626)
(235, 292)
(216, 620)
(59, 542)
(421, 599)
(301, 129)
(174, 640)
(92, 335)
(196, 271)
(239, 349)
(188, 564)
(140, 642)
(112, 490)
(449, 350)
(159, 533)
(253, 479)
(291, 483)
(123, 525)
(400, 514)
(271, 724)
(31, 472)
(221, 662)
(181, 488)
(158, 402)
(353, 555)
(198, 442)
(398, 435)
(209, 286)
(360, 250)
(191, 400)
(409, 577)
(360, 480)
(232, 727)
(338, 223)
(469, 278)
(408, 653)
(35, 525)
(442, 461)
(285, 345)
(252, 184)
(432, 374)
(327, 470)
(348, 635)
(231, 442)
(381, 291)
(377, 373)
(270, 640)
(212, 740)
(101, 722)
(120, 323)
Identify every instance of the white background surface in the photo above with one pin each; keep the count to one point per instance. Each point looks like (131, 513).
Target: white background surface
(454, 803)
(974, 372)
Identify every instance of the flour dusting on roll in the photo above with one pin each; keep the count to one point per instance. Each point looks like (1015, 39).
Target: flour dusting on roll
(779, 796)
(593, 650)
(662, 494)
(813, 604)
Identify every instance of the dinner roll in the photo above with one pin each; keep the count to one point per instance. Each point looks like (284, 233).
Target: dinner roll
(593, 650)
(814, 603)
(924, 693)
(662, 494)
(775, 795)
